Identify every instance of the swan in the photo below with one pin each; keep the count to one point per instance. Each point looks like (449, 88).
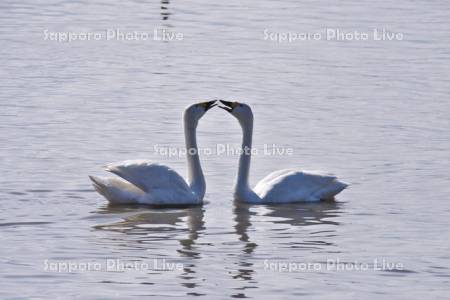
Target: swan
(283, 186)
(145, 182)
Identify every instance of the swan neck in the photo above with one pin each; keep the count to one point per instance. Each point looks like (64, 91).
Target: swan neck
(196, 179)
(242, 184)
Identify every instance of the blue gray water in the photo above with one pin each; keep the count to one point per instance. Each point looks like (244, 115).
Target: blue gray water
(376, 113)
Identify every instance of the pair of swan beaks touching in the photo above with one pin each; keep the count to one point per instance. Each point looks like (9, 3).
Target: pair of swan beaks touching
(146, 182)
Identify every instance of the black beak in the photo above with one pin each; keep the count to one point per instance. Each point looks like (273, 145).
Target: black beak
(228, 105)
(209, 104)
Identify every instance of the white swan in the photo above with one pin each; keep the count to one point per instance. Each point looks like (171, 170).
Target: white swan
(284, 186)
(145, 182)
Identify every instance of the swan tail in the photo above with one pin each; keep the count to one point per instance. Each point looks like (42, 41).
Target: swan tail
(330, 190)
(116, 191)
(99, 184)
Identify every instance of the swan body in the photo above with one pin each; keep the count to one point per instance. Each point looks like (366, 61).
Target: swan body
(146, 182)
(283, 186)
(288, 186)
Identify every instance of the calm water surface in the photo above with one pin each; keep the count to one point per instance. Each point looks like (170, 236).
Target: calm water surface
(376, 113)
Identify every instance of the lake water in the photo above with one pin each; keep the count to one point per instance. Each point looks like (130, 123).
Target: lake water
(374, 112)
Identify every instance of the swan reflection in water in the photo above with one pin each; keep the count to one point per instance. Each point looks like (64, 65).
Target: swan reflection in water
(164, 231)
(298, 214)
(279, 220)
(158, 232)
(183, 224)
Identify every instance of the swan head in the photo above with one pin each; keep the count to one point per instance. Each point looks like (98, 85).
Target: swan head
(194, 112)
(240, 111)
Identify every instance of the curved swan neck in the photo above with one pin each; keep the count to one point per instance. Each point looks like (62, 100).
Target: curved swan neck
(245, 158)
(196, 179)
(243, 192)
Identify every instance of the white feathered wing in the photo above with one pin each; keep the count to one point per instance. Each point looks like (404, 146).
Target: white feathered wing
(286, 186)
(144, 182)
